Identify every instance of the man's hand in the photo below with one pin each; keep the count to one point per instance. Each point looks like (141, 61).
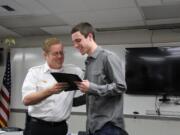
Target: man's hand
(36, 97)
(83, 86)
(58, 87)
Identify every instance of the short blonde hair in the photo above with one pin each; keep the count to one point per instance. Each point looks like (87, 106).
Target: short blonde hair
(50, 42)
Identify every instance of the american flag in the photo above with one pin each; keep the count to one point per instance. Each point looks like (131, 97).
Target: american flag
(5, 94)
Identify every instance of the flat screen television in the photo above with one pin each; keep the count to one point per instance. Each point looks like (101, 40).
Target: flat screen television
(153, 71)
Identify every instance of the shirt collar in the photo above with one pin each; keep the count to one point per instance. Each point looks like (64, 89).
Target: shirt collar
(96, 52)
(94, 55)
(48, 69)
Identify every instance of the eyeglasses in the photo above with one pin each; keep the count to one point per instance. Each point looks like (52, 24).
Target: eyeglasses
(61, 53)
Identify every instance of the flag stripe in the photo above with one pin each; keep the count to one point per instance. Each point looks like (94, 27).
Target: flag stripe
(4, 89)
(3, 115)
(5, 94)
(5, 104)
(5, 110)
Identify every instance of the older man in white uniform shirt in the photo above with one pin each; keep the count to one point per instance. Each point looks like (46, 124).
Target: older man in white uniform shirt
(48, 105)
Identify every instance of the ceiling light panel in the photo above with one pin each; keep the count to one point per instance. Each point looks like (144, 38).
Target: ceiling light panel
(55, 30)
(61, 6)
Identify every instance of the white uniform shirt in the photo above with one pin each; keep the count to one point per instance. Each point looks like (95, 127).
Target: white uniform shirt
(56, 107)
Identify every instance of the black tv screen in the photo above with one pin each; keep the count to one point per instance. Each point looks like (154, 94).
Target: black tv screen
(153, 71)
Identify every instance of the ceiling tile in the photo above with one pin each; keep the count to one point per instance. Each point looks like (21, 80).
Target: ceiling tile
(119, 24)
(19, 10)
(103, 16)
(30, 31)
(23, 7)
(43, 17)
(108, 4)
(4, 32)
(60, 6)
(57, 29)
(161, 12)
(171, 1)
(163, 21)
(31, 21)
(34, 7)
(85, 5)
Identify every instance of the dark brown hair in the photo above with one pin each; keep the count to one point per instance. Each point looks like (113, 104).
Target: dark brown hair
(84, 28)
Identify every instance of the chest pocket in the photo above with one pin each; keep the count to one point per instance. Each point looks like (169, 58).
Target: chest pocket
(98, 77)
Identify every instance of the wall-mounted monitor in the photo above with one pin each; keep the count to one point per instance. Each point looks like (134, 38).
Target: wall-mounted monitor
(153, 71)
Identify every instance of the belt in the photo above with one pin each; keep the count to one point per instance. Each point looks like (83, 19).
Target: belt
(47, 123)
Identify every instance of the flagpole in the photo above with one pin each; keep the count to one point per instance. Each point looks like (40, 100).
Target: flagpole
(5, 90)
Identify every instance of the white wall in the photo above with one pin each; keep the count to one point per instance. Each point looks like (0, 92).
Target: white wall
(133, 37)
(129, 38)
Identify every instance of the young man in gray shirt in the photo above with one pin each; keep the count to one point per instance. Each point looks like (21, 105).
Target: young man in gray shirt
(104, 84)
